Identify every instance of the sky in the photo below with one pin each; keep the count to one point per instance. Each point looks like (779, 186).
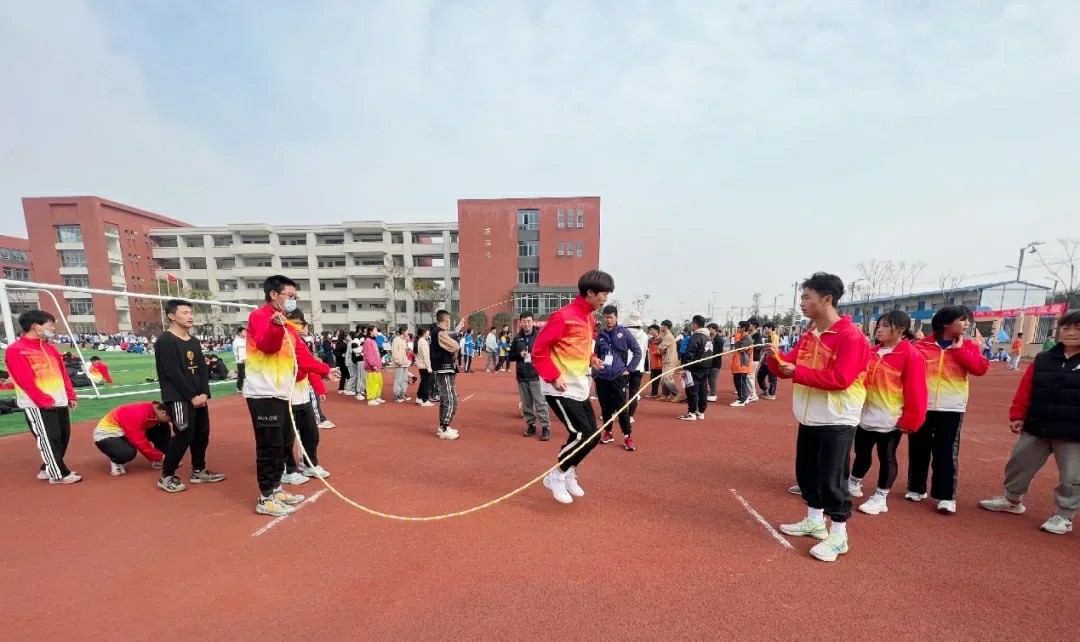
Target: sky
(736, 146)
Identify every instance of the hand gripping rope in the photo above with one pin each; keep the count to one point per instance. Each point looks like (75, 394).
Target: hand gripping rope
(497, 500)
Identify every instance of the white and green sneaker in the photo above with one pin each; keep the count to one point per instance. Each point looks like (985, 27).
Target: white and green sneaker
(833, 546)
(809, 527)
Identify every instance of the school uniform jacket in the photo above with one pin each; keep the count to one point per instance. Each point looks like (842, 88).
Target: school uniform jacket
(830, 371)
(307, 368)
(947, 371)
(564, 348)
(39, 375)
(271, 361)
(895, 390)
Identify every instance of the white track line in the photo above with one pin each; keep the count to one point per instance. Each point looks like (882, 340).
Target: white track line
(761, 520)
(469, 397)
(277, 520)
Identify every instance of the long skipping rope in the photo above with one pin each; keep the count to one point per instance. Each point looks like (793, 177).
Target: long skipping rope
(501, 498)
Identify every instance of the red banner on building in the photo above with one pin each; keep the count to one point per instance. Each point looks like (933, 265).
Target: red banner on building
(1052, 310)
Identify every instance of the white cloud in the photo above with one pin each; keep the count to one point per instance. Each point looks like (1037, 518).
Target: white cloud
(756, 141)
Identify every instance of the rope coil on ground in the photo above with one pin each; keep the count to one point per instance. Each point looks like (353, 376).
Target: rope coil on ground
(501, 498)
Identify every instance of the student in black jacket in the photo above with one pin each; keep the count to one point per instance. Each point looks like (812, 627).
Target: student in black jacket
(717, 360)
(533, 405)
(698, 347)
(185, 391)
(1046, 414)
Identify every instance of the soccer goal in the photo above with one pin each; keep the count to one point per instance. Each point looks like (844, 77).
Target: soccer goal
(214, 321)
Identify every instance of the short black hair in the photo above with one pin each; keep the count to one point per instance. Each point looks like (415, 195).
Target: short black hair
(30, 318)
(666, 323)
(1069, 319)
(754, 321)
(297, 315)
(945, 316)
(211, 356)
(241, 329)
(698, 320)
(825, 284)
(897, 319)
(95, 359)
(595, 281)
(744, 325)
(172, 304)
(769, 325)
(401, 329)
(610, 309)
(525, 315)
(442, 315)
(713, 326)
(276, 283)
(654, 327)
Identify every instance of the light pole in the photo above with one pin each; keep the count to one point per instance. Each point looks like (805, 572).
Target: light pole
(794, 304)
(1030, 248)
(774, 303)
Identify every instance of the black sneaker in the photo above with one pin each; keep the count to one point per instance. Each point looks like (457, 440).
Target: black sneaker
(171, 484)
(530, 431)
(545, 434)
(206, 476)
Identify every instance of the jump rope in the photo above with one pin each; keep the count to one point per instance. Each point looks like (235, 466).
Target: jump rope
(501, 498)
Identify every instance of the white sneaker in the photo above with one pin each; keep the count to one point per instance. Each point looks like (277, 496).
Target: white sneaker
(752, 398)
(690, 416)
(373, 402)
(285, 497)
(1057, 525)
(555, 482)
(343, 392)
(947, 506)
(361, 398)
(876, 505)
(833, 546)
(380, 400)
(1003, 505)
(572, 486)
(419, 401)
(915, 497)
(117, 469)
(317, 471)
(426, 404)
(72, 478)
(739, 404)
(631, 420)
(701, 416)
(448, 434)
(327, 425)
(806, 528)
(854, 488)
(43, 475)
(273, 508)
(711, 397)
(294, 479)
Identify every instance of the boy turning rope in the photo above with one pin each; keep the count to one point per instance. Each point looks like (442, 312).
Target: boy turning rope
(562, 356)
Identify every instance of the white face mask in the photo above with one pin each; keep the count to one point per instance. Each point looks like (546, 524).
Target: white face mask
(289, 305)
(47, 334)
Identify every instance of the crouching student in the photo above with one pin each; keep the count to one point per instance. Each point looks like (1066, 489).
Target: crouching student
(133, 429)
(1046, 414)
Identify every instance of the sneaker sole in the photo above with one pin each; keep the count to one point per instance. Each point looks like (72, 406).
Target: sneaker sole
(828, 558)
(884, 509)
(1010, 511)
(815, 535)
(1053, 532)
(570, 499)
(172, 490)
(206, 481)
(272, 513)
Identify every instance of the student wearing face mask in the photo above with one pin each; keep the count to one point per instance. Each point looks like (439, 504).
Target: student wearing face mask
(44, 392)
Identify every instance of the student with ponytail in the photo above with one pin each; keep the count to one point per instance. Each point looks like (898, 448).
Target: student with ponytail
(895, 404)
(950, 359)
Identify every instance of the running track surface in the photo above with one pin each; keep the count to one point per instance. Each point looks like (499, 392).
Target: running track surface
(660, 548)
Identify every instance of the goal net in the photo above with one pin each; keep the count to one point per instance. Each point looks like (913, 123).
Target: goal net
(126, 345)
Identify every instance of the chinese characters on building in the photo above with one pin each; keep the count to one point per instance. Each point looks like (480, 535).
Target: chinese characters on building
(487, 243)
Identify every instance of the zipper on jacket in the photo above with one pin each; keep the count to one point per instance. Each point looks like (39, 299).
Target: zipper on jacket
(937, 387)
(810, 391)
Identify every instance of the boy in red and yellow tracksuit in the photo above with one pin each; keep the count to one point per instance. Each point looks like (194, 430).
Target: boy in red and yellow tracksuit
(895, 404)
(132, 429)
(44, 392)
(563, 356)
(828, 368)
(950, 359)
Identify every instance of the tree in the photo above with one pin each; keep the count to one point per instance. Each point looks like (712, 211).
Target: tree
(1063, 271)
(209, 319)
(949, 282)
(755, 305)
(501, 319)
(478, 321)
(428, 295)
(910, 276)
(392, 272)
(877, 275)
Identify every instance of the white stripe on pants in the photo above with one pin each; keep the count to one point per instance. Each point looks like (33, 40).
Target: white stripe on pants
(37, 427)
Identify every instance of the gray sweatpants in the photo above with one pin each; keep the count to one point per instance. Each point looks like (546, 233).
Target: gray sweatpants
(1029, 454)
(533, 404)
(401, 382)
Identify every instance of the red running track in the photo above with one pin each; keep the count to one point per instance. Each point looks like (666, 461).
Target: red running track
(660, 548)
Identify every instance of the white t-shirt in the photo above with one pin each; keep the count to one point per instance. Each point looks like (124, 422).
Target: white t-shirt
(239, 346)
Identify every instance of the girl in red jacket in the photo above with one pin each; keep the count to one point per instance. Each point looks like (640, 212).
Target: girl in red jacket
(950, 358)
(308, 368)
(895, 404)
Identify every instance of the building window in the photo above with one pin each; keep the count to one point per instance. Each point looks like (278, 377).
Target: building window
(561, 248)
(580, 248)
(80, 307)
(528, 220)
(528, 276)
(397, 237)
(77, 281)
(68, 234)
(526, 303)
(581, 217)
(17, 274)
(562, 219)
(72, 258)
(528, 248)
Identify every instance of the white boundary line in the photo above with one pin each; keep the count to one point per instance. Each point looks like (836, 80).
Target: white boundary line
(278, 520)
(469, 397)
(761, 520)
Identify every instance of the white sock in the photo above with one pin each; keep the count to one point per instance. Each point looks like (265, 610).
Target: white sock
(884, 492)
(855, 481)
(839, 528)
(816, 514)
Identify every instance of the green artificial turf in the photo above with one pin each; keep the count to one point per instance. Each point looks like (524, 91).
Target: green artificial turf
(129, 373)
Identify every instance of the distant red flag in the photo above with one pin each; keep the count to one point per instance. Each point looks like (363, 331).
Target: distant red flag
(172, 279)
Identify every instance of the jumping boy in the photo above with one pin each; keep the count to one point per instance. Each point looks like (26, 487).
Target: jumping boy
(185, 390)
(827, 366)
(563, 355)
(44, 392)
(1046, 414)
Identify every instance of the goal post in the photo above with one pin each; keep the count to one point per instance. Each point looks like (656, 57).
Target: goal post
(9, 287)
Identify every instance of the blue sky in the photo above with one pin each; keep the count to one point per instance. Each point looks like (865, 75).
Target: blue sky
(737, 146)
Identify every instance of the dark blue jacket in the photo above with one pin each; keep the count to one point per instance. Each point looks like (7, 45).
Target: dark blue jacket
(623, 348)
